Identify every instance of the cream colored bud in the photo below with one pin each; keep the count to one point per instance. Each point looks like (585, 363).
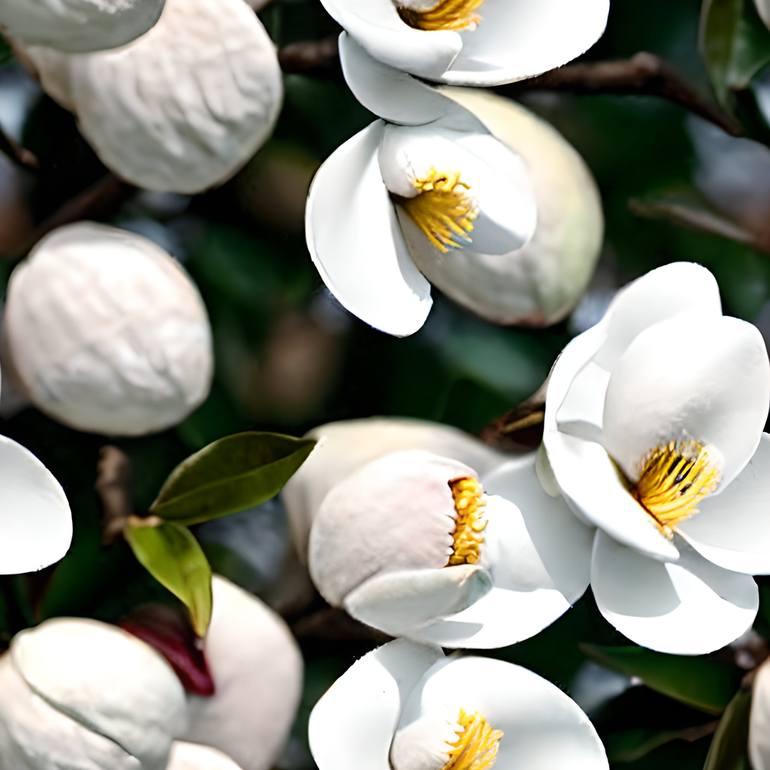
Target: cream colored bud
(182, 108)
(79, 25)
(107, 332)
(190, 756)
(79, 693)
(343, 447)
(257, 672)
(540, 283)
(395, 513)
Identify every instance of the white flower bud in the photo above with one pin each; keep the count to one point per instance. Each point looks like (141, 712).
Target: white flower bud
(190, 756)
(79, 693)
(182, 108)
(346, 446)
(107, 332)
(79, 25)
(257, 672)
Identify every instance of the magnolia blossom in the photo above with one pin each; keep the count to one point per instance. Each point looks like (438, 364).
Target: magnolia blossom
(257, 672)
(79, 25)
(405, 706)
(107, 332)
(411, 544)
(653, 432)
(763, 7)
(432, 177)
(759, 719)
(79, 693)
(182, 108)
(472, 42)
(345, 446)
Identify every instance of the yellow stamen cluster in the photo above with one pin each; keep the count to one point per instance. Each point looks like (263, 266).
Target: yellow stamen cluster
(468, 496)
(675, 477)
(476, 746)
(454, 15)
(442, 209)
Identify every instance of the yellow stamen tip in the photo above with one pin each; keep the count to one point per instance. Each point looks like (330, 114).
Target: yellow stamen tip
(675, 478)
(476, 746)
(470, 523)
(454, 15)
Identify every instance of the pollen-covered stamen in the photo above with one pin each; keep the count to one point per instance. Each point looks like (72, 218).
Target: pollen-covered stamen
(468, 537)
(442, 209)
(476, 746)
(454, 15)
(675, 477)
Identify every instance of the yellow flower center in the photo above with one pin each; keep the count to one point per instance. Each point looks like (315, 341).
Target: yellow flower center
(468, 495)
(442, 209)
(476, 745)
(455, 15)
(675, 477)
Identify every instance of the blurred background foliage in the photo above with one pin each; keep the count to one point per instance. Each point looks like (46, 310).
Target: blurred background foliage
(288, 358)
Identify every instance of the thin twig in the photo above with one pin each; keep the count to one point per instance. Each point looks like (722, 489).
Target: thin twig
(113, 485)
(18, 155)
(310, 57)
(521, 429)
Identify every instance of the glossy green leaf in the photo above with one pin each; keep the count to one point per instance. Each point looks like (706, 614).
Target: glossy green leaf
(729, 748)
(635, 743)
(230, 475)
(171, 554)
(735, 45)
(696, 681)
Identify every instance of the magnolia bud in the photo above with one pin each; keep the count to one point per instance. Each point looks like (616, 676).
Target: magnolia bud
(189, 756)
(107, 332)
(79, 693)
(343, 447)
(257, 672)
(79, 25)
(182, 108)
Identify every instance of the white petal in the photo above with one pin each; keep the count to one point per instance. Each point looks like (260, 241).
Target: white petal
(377, 27)
(732, 529)
(400, 603)
(759, 720)
(356, 243)
(518, 39)
(660, 294)
(542, 727)
(36, 527)
(391, 93)
(352, 726)
(539, 557)
(691, 607)
(191, 756)
(257, 671)
(763, 8)
(691, 377)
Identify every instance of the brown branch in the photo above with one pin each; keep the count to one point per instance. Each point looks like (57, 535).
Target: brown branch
(17, 154)
(521, 429)
(644, 74)
(310, 57)
(113, 485)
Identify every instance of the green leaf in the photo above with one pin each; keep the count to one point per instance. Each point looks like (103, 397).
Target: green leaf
(633, 744)
(700, 682)
(730, 744)
(230, 475)
(171, 554)
(735, 45)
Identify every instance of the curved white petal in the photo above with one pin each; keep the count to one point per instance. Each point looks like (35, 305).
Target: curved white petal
(539, 558)
(191, 756)
(697, 377)
(399, 603)
(542, 727)
(352, 726)
(35, 517)
(732, 529)
(759, 719)
(691, 607)
(356, 243)
(519, 39)
(763, 8)
(376, 25)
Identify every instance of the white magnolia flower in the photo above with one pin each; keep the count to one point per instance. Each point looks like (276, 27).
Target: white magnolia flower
(182, 108)
(107, 332)
(79, 693)
(345, 446)
(257, 672)
(79, 25)
(405, 706)
(759, 719)
(412, 545)
(432, 179)
(472, 42)
(653, 431)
